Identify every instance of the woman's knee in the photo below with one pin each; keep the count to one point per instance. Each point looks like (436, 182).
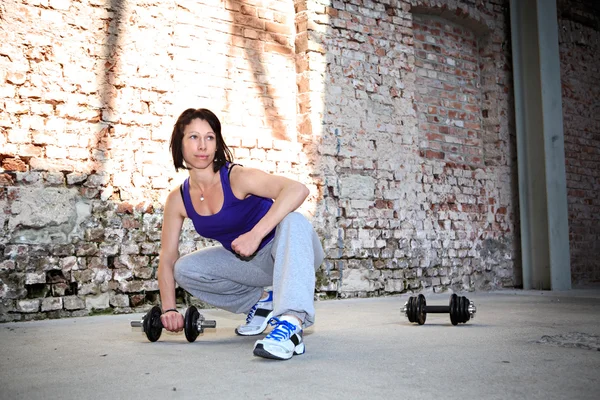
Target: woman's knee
(295, 219)
(192, 265)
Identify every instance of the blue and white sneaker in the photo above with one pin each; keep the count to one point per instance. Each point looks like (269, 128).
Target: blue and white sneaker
(258, 317)
(284, 341)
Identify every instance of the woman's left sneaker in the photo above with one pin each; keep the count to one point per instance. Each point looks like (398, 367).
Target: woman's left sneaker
(284, 341)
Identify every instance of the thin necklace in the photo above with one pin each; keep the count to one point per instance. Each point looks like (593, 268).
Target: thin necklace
(208, 187)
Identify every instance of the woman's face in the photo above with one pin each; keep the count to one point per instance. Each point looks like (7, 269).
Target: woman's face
(199, 144)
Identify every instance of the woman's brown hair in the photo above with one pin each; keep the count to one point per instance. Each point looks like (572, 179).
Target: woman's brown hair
(223, 153)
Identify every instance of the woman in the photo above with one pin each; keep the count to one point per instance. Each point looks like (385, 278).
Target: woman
(263, 241)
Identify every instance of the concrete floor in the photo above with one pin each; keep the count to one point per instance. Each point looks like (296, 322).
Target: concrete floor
(520, 345)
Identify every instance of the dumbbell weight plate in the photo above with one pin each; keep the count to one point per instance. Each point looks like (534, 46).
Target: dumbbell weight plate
(421, 314)
(191, 324)
(152, 324)
(465, 310)
(454, 309)
(410, 309)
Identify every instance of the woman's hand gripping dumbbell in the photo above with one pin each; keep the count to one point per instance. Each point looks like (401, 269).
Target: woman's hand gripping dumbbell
(193, 324)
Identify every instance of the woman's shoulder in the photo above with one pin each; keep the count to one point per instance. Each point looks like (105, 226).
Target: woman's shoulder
(175, 196)
(229, 166)
(235, 170)
(177, 189)
(241, 169)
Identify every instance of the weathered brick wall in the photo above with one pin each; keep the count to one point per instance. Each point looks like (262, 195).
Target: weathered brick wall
(579, 38)
(89, 93)
(448, 96)
(403, 133)
(400, 216)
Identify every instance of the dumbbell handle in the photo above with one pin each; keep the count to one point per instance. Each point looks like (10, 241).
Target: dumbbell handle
(207, 323)
(437, 309)
(137, 324)
(446, 309)
(201, 324)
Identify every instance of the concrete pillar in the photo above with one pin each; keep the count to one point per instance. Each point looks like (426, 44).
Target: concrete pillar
(540, 145)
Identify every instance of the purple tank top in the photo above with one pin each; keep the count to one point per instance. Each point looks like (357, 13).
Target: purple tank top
(235, 218)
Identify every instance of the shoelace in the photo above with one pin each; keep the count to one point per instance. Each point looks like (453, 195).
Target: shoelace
(251, 313)
(282, 331)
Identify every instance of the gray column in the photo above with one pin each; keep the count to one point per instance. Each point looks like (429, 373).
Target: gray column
(540, 145)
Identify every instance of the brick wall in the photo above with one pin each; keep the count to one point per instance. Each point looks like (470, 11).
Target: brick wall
(330, 92)
(89, 93)
(400, 216)
(448, 96)
(579, 23)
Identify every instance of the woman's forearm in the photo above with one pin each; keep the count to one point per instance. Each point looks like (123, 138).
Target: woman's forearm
(166, 284)
(289, 199)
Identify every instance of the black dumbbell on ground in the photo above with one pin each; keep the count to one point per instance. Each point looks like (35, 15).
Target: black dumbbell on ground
(460, 309)
(194, 324)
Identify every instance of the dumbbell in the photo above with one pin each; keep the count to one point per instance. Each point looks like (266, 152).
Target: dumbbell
(194, 324)
(460, 309)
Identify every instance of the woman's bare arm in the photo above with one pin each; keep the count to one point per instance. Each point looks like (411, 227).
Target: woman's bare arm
(287, 194)
(173, 217)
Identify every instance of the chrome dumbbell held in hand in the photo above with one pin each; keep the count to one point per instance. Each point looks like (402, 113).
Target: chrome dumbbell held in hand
(194, 324)
(460, 309)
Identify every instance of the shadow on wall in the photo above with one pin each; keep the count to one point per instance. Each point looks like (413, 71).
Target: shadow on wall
(256, 59)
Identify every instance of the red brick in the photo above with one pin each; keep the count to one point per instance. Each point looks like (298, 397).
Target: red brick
(124, 208)
(276, 48)
(144, 207)
(277, 28)
(6, 180)
(14, 164)
(248, 10)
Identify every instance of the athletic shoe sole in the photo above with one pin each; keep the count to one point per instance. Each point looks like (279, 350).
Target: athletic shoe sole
(260, 351)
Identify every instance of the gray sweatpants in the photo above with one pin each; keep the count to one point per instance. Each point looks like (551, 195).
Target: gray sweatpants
(288, 263)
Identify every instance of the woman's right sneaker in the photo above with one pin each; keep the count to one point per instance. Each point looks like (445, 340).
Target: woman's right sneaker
(258, 317)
